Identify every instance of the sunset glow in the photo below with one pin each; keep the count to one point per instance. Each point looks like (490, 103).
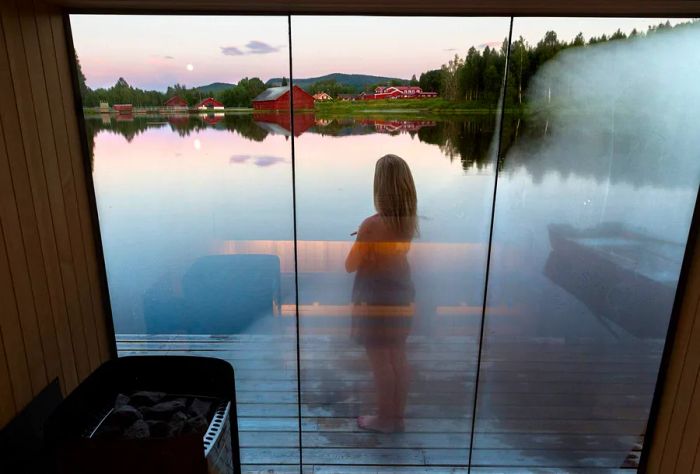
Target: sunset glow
(148, 50)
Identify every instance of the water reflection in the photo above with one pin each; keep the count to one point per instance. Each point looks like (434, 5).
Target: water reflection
(571, 356)
(464, 138)
(615, 146)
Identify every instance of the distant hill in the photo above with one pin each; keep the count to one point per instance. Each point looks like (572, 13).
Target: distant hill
(215, 87)
(358, 81)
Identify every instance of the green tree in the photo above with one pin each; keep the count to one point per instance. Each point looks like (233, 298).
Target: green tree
(85, 92)
(450, 79)
(579, 40)
(618, 35)
(330, 87)
(430, 81)
(520, 66)
(243, 93)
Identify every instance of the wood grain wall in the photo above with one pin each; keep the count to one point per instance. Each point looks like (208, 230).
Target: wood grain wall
(675, 445)
(52, 315)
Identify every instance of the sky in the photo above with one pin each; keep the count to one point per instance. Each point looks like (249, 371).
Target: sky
(152, 52)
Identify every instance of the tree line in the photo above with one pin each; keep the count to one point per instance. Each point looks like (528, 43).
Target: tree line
(240, 95)
(475, 78)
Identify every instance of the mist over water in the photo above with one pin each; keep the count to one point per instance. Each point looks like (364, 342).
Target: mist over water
(624, 111)
(612, 137)
(595, 197)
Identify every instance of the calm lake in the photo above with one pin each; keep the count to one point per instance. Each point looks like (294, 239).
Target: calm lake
(173, 189)
(589, 230)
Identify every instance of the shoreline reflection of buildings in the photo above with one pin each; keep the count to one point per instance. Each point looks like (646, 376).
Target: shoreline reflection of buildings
(398, 126)
(280, 124)
(213, 119)
(272, 123)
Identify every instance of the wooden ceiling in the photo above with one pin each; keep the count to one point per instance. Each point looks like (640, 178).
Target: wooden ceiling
(639, 8)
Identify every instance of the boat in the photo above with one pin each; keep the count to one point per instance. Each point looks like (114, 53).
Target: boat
(622, 275)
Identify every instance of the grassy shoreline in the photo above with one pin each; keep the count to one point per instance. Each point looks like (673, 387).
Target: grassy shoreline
(403, 106)
(406, 109)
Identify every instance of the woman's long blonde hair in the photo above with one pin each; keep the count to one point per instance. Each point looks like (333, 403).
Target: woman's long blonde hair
(395, 195)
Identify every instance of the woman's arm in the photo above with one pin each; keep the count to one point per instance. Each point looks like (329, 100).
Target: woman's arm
(359, 249)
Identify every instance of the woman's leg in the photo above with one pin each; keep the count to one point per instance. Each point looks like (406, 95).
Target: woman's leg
(399, 363)
(384, 382)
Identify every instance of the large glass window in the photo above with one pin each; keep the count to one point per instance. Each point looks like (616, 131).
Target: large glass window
(390, 316)
(418, 252)
(194, 201)
(598, 181)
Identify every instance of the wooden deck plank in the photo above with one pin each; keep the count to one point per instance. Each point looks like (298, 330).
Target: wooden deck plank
(270, 456)
(333, 469)
(446, 386)
(548, 470)
(435, 457)
(366, 456)
(321, 341)
(341, 409)
(274, 469)
(524, 400)
(533, 458)
(541, 404)
(463, 360)
(448, 343)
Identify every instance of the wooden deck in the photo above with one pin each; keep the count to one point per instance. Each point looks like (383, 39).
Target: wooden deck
(544, 405)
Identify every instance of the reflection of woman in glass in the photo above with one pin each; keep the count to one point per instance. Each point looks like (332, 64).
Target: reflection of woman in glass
(383, 292)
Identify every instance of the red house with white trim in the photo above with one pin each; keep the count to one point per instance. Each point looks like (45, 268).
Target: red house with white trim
(123, 108)
(398, 92)
(277, 98)
(209, 103)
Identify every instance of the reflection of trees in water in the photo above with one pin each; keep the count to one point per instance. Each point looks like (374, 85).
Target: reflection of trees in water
(245, 126)
(624, 111)
(132, 126)
(599, 144)
(466, 139)
(602, 145)
(340, 127)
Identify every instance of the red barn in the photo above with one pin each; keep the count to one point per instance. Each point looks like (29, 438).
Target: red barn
(277, 98)
(209, 103)
(176, 102)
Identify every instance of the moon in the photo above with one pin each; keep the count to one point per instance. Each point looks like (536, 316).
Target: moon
(189, 67)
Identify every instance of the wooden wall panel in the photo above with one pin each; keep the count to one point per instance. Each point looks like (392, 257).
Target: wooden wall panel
(675, 445)
(82, 193)
(53, 319)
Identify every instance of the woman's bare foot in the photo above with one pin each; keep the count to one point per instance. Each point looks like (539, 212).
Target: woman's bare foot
(376, 424)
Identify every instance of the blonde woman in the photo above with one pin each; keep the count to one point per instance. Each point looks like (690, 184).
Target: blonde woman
(383, 291)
